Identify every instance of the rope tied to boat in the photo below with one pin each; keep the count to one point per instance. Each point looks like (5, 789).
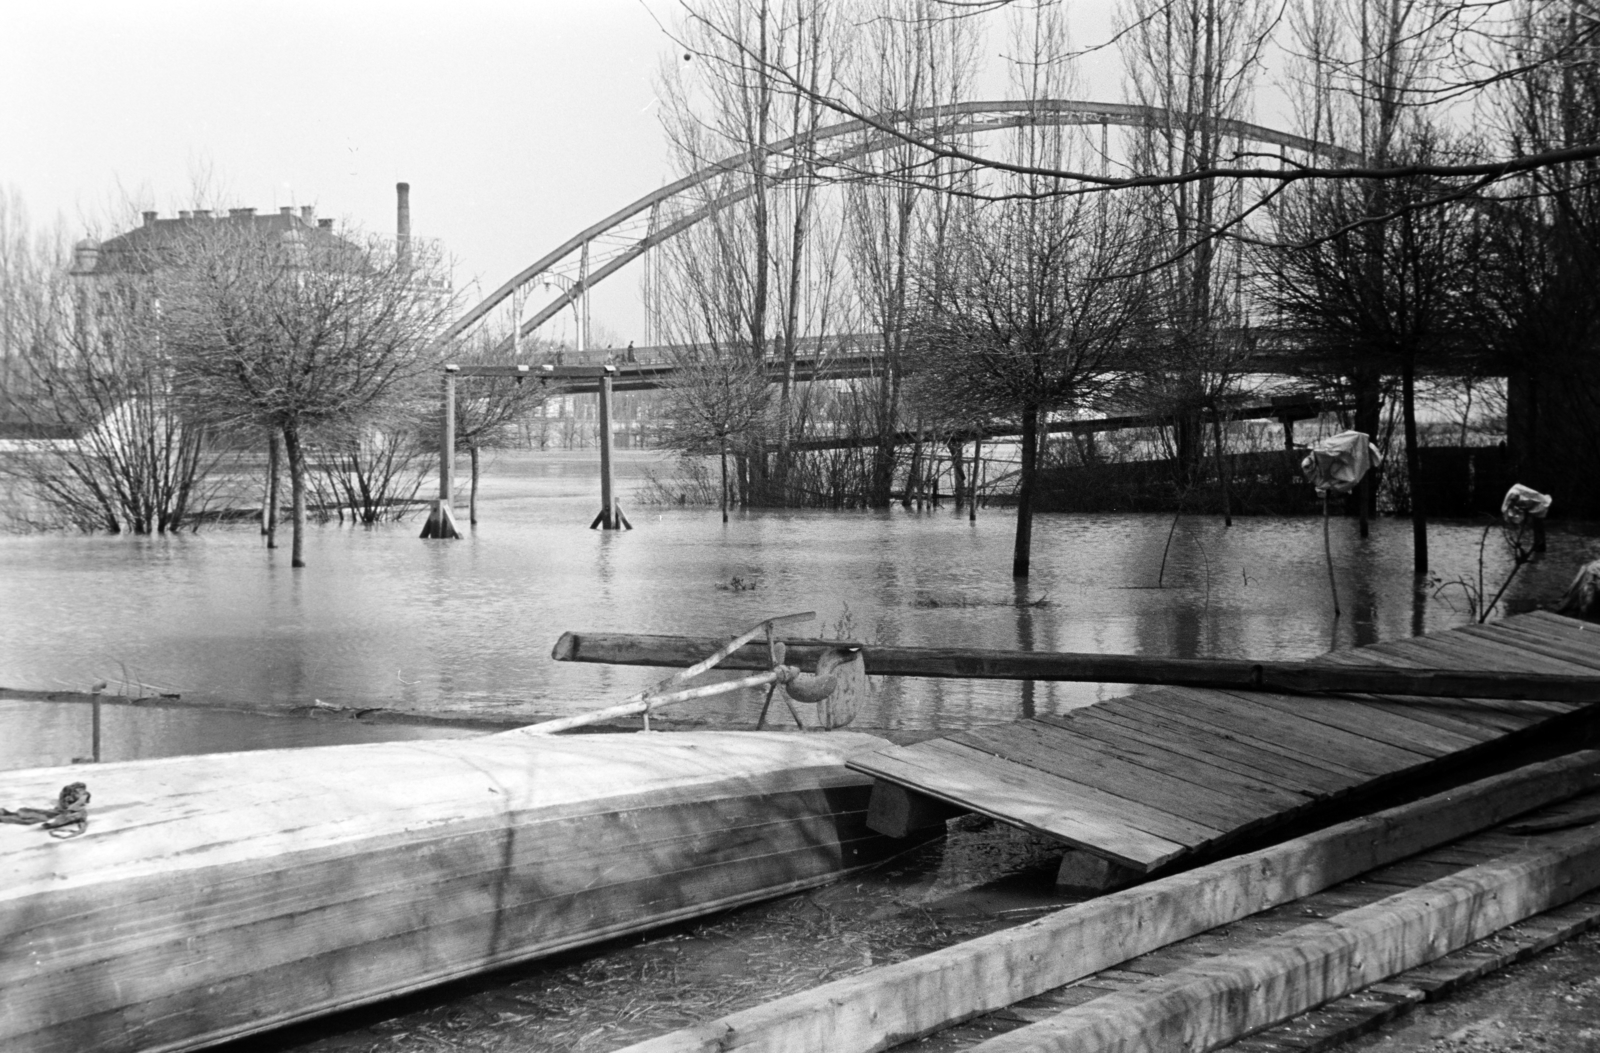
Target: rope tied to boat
(71, 811)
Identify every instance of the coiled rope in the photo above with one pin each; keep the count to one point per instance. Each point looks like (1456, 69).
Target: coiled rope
(71, 811)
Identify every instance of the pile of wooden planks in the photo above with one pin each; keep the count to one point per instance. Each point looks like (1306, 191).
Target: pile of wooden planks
(1198, 959)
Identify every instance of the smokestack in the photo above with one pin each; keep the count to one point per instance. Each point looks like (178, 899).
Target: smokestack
(402, 241)
(149, 219)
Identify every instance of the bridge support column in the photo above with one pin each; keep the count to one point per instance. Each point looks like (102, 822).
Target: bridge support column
(610, 517)
(442, 520)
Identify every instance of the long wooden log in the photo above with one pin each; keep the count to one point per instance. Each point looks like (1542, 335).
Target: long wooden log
(975, 663)
(895, 1003)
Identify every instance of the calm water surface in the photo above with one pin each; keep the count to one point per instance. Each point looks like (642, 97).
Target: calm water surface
(381, 618)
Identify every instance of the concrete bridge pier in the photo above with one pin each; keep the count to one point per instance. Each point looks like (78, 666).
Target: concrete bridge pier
(610, 517)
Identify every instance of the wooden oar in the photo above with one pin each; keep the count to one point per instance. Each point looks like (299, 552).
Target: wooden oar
(986, 664)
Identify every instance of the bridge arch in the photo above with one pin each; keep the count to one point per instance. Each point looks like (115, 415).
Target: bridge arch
(607, 246)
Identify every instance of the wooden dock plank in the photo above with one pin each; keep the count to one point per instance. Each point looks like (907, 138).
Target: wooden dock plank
(1355, 714)
(1585, 656)
(1155, 704)
(1145, 751)
(1445, 714)
(1410, 651)
(1078, 758)
(1489, 713)
(1559, 624)
(1511, 657)
(1019, 799)
(1241, 716)
(1078, 793)
(1244, 759)
(1481, 655)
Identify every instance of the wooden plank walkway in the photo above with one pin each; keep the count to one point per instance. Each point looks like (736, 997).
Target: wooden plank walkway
(1165, 774)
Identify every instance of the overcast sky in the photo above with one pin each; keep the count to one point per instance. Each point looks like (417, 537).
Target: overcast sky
(516, 122)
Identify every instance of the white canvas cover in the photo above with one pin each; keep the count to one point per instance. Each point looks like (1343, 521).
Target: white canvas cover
(1523, 501)
(1336, 464)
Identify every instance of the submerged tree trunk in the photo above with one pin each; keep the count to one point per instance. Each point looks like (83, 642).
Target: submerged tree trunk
(1419, 518)
(269, 504)
(472, 493)
(1364, 388)
(1222, 468)
(958, 469)
(1186, 440)
(297, 494)
(977, 463)
(1030, 456)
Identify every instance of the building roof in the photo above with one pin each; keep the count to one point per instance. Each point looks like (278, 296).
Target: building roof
(141, 249)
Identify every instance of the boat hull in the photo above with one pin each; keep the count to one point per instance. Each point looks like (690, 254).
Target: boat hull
(217, 896)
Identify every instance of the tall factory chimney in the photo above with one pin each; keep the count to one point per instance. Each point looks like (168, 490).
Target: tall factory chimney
(402, 241)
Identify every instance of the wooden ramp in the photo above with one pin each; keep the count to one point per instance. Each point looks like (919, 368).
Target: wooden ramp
(1149, 779)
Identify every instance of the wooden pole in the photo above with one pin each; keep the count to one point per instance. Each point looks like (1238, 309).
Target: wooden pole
(447, 437)
(972, 663)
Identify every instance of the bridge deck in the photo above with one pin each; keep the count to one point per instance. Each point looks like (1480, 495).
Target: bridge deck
(1163, 774)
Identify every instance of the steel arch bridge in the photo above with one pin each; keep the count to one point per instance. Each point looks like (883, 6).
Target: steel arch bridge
(602, 249)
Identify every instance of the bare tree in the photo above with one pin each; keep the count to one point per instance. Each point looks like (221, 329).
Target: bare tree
(1027, 308)
(1476, 55)
(716, 403)
(107, 447)
(299, 334)
(1545, 257)
(1194, 64)
(759, 272)
(1397, 293)
(910, 61)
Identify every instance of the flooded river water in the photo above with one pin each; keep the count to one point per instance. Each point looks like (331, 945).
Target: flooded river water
(383, 619)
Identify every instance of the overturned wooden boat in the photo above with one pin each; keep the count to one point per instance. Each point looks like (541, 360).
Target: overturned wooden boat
(215, 896)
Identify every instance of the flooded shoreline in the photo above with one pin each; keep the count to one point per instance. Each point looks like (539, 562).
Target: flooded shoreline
(395, 629)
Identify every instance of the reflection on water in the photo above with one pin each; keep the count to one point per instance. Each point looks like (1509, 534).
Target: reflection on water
(381, 618)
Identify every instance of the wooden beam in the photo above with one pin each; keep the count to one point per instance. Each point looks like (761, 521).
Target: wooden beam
(896, 1003)
(1216, 1000)
(899, 812)
(975, 663)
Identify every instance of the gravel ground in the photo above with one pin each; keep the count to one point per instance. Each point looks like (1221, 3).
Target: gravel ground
(1547, 1004)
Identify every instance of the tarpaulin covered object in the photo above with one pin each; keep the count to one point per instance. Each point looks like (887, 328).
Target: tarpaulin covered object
(1522, 501)
(1336, 464)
